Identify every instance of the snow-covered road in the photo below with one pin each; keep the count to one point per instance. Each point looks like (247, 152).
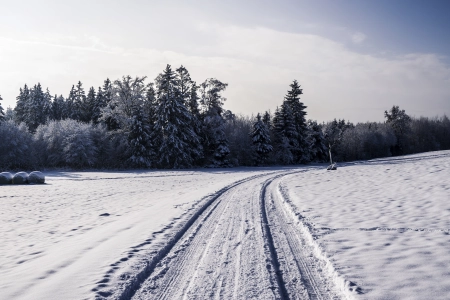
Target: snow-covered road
(245, 245)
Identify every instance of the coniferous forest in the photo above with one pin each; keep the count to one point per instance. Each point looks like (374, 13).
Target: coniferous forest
(174, 122)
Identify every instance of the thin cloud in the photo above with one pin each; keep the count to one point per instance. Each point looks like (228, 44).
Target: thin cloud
(358, 38)
(258, 63)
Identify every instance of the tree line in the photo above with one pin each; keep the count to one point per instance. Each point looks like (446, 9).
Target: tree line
(174, 122)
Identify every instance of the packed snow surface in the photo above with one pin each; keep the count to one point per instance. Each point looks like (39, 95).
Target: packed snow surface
(384, 224)
(374, 229)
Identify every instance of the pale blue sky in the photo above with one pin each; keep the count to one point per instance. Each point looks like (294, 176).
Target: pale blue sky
(354, 59)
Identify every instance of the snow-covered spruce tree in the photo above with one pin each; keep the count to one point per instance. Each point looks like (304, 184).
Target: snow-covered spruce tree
(301, 151)
(2, 113)
(87, 108)
(261, 141)
(126, 108)
(285, 135)
(188, 93)
(21, 104)
(106, 100)
(10, 114)
(70, 106)
(38, 108)
(267, 120)
(174, 123)
(99, 103)
(79, 102)
(317, 144)
(215, 141)
(58, 108)
(400, 122)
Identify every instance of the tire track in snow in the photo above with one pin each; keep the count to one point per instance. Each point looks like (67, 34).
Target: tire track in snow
(130, 289)
(241, 244)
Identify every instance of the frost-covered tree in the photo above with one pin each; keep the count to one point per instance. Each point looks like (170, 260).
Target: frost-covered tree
(70, 143)
(317, 144)
(10, 114)
(58, 108)
(21, 103)
(174, 123)
(285, 134)
(267, 119)
(399, 121)
(261, 142)
(215, 141)
(38, 108)
(301, 150)
(87, 108)
(69, 107)
(106, 103)
(16, 146)
(333, 132)
(127, 110)
(139, 140)
(79, 102)
(2, 113)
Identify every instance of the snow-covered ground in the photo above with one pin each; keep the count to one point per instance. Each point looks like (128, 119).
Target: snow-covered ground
(370, 230)
(59, 240)
(384, 224)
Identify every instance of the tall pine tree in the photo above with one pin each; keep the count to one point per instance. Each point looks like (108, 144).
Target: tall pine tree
(79, 102)
(301, 151)
(173, 122)
(261, 141)
(2, 113)
(58, 108)
(285, 134)
(21, 104)
(38, 108)
(215, 141)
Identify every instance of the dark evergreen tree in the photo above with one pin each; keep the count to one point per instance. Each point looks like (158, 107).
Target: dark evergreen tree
(58, 108)
(301, 151)
(38, 108)
(2, 113)
(88, 106)
(285, 135)
(79, 102)
(173, 121)
(139, 139)
(399, 121)
(111, 123)
(267, 120)
(261, 142)
(214, 138)
(184, 84)
(21, 104)
(70, 105)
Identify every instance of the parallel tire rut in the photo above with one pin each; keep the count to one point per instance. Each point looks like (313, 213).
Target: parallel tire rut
(128, 292)
(242, 244)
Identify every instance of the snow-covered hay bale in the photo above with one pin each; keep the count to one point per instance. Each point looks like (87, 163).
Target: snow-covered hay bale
(20, 178)
(6, 178)
(36, 177)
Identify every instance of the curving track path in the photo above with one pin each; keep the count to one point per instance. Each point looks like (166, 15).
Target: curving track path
(246, 244)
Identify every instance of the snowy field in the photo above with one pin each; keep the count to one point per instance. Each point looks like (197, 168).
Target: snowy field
(384, 224)
(58, 240)
(374, 229)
